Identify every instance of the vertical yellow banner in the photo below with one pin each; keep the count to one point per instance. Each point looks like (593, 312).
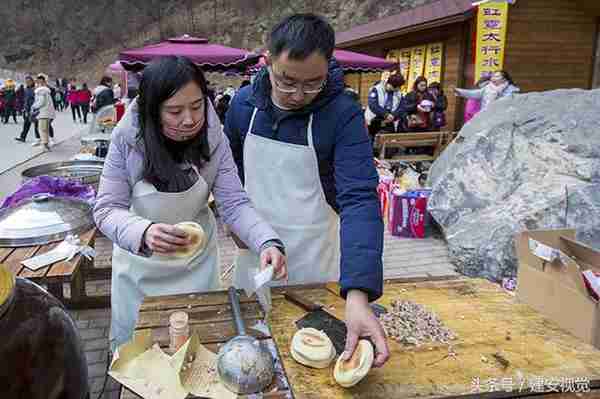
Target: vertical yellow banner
(492, 19)
(433, 65)
(404, 61)
(417, 65)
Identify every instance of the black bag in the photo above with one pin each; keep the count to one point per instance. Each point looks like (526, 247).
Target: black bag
(35, 112)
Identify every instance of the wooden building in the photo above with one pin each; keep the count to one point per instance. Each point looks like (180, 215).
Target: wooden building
(550, 44)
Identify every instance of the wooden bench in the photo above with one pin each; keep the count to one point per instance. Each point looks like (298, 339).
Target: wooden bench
(75, 273)
(438, 140)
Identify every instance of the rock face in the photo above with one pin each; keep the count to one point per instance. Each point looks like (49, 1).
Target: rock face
(75, 38)
(528, 162)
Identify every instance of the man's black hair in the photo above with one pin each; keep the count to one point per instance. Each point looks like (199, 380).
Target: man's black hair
(301, 35)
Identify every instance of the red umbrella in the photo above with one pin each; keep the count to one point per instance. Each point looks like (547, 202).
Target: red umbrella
(211, 57)
(350, 62)
(357, 62)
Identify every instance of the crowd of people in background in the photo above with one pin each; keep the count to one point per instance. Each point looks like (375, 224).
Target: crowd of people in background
(78, 98)
(37, 102)
(423, 108)
(420, 110)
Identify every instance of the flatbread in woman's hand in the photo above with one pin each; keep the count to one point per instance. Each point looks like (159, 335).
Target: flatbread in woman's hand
(197, 237)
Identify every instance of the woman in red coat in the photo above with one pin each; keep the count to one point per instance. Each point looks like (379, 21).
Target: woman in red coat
(84, 96)
(74, 103)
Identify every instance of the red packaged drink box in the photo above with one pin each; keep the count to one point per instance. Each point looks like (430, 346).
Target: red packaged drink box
(592, 282)
(408, 216)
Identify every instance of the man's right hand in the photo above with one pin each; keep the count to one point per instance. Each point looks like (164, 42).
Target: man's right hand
(165, 238)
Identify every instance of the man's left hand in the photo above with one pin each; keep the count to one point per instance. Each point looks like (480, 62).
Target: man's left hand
(362, 322)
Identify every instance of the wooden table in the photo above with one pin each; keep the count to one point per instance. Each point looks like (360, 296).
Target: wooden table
(74, 272)
(481, 313)
(211, 318)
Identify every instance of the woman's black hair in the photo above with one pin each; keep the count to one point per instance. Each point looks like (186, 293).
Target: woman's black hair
(438, 86)
(106, 81)
(84, 86)
(161, 79)
(419, 80)
(507, 77)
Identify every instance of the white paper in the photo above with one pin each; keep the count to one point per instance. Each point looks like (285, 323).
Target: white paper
(543, 251)
(61, 252)
(65, 250)
(263, 277)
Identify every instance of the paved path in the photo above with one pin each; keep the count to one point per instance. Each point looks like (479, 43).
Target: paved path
(13, 152)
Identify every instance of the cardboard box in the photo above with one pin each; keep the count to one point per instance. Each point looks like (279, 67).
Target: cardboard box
(556, 287)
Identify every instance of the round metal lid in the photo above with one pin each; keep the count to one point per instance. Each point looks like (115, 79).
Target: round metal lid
(83, 171)
(43, 219)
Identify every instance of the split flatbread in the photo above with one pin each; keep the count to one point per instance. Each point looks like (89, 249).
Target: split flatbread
(198, 240)
(350, 372)
(312, 348)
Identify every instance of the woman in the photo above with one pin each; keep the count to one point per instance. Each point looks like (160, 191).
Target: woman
(73, 99)
(167, 155)
(418, 104)
(501, 85)
(84, 96)
(473, 105)
(438, 116)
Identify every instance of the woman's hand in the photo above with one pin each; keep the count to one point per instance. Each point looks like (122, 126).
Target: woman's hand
(273, 256)
(165, 238)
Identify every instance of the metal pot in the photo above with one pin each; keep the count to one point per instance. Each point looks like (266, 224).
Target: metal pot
(86, 172)
(42, 353)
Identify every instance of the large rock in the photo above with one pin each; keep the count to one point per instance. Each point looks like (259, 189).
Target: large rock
(511, 169)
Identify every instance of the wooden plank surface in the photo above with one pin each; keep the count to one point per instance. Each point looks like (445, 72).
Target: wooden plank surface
(13, 262)
(5, 253)
(480, 312)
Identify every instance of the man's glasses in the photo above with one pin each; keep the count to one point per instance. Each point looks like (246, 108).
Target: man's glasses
(310, 88)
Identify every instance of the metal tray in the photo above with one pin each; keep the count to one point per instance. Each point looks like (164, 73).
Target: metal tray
(87, 172)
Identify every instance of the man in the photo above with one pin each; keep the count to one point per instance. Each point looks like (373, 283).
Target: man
(29, 98)
(302, 150)
(43, 106)
(385, 109)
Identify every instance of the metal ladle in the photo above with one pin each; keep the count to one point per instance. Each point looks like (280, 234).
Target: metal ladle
(244, 364)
